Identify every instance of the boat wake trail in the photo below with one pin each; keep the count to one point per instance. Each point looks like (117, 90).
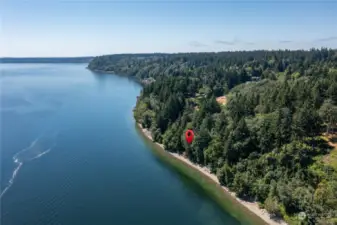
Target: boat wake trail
(39, 147)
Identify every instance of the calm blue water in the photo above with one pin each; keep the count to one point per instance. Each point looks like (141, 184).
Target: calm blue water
(70, 155)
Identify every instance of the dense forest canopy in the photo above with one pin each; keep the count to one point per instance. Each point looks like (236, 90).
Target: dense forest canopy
(268, 142)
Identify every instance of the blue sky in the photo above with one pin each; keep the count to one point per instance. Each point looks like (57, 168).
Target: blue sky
(96, 27)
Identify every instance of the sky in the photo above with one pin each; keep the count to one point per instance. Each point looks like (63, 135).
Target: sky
(47, 28)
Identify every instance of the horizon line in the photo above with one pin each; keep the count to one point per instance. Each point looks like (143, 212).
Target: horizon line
(167, 53)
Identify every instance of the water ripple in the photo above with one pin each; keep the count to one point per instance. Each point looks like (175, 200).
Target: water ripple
(39, 147)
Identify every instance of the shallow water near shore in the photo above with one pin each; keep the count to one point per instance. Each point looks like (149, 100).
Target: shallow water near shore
(70, 154)
(203, 184)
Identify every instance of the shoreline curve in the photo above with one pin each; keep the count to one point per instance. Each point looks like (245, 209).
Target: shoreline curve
(251, 206)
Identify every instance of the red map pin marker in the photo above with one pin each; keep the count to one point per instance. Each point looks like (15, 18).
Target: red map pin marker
(189, 135)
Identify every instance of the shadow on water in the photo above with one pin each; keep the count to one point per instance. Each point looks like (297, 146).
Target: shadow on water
(102, 76)
(202, 184)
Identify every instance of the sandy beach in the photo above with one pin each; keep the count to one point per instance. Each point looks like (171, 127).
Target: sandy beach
(252, 206)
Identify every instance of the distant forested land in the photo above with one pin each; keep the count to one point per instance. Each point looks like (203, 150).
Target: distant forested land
(47, 60)
(268, 141)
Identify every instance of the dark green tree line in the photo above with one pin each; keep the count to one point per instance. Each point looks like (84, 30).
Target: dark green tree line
(265, 144)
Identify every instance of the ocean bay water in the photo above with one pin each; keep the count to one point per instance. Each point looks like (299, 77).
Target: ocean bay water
(70, 154)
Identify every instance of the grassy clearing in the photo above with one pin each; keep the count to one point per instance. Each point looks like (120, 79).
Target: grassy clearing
(222, 100)
(331, 158)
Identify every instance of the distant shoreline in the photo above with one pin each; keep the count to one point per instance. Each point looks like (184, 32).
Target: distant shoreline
(61, 60)
(137, 80)
(101, 71)
(251, 206)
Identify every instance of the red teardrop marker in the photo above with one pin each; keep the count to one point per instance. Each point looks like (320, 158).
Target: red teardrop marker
(189, 135)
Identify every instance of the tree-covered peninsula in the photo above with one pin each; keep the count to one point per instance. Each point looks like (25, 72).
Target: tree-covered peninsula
(264, 121)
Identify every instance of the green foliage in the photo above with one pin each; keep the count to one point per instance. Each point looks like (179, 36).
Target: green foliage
(213, 154)
(328, 112)
(265, 143)
(225, 175)
(271, 205)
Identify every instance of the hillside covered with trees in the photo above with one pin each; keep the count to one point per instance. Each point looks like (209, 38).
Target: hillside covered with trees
(268, 142)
